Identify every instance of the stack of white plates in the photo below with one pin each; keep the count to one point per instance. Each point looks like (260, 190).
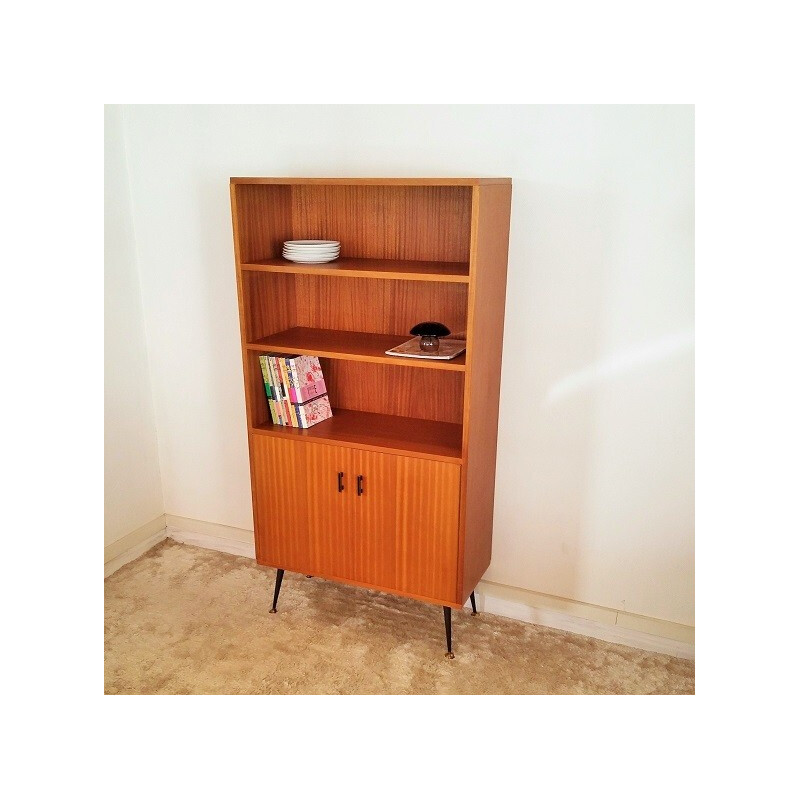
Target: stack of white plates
(311, 251)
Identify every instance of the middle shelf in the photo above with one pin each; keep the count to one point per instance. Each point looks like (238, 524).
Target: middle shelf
(382, 432)
(348, 345)
(439, 271)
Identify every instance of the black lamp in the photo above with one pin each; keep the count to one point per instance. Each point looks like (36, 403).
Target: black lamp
(429, 333)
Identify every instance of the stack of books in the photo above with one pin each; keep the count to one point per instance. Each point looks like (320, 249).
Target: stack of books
(296, 392)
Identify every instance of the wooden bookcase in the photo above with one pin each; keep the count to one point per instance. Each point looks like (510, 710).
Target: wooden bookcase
(414, 439)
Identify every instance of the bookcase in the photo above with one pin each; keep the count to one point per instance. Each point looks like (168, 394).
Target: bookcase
(396, 491)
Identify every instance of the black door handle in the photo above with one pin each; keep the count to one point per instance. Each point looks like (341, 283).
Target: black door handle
(341, 485)
(360, 485)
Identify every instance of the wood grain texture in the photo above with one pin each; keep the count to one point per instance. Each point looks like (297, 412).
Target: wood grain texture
(398, 390)
(270, 304)
(373, 181)
(386, 269)
(400, 533)
(350, 346)
(257, 410)
(414, 223)
(276, 302)
(374, 518)
(280, 504)
(378, 306)
(423, 437)
(384, 433)
(427, 528)
(488, 264)
(264, 220)
(330, 512)
(255, 400)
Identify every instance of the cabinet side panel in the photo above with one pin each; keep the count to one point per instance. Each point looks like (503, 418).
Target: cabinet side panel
(269, 304)
(491, 216)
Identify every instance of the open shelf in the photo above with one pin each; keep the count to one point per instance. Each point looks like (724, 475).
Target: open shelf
(441, 271)
(349, 345)
(382, 432)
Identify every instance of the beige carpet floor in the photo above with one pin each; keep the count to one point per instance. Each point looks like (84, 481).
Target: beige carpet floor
(184, 620)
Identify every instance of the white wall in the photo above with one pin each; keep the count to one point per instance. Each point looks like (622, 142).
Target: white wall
(133, 496)
(595, 464)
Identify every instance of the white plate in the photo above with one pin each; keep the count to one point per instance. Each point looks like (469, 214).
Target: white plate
(311, 249)
(311, 255)
(310, 260)
(318, 255)
(312, 243)
(323, 253)
(311, 252)
(318, 260)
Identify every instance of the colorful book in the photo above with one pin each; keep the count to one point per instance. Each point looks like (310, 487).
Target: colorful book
(295, 388)
(265, 374)
(268, 387)
(313, 411)
(291, 416)
(307, 380)
(280, 411)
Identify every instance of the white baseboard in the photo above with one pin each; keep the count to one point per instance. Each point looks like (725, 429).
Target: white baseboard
(210, 542)
(606, 624)
(133, 544)
(586, 627)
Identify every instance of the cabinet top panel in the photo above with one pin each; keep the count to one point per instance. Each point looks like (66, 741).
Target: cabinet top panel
(376, 181)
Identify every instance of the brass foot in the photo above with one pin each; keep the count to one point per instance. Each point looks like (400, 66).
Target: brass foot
(449, 655)
(273, 611)
(474, 613)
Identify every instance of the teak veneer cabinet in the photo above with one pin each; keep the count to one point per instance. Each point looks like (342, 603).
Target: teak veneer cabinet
(396, 491)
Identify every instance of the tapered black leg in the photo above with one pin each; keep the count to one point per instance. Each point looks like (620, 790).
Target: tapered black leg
(447, 631)
(472, 600)
(278, 579)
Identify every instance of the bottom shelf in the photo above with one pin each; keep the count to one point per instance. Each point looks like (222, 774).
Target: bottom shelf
(382, 432)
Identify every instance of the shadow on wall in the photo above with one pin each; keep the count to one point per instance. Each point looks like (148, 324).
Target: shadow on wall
(595, 445)
(558, 261)
(620, 363)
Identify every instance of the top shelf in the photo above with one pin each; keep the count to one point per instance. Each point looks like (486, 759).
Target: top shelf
(440, 271)
(374, 181)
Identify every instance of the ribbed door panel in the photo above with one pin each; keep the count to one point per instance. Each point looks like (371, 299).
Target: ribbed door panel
(279, 503)
(427, 527)
(400, 533)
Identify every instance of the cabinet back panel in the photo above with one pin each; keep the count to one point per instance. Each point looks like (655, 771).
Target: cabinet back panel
(402, 391)
(378, 306)
(414, 223)
(378, 388)
(275, 302)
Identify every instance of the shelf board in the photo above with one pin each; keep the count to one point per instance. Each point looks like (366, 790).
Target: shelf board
(374, 181)
(441, 271)
(349, 345)
(381, 432)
